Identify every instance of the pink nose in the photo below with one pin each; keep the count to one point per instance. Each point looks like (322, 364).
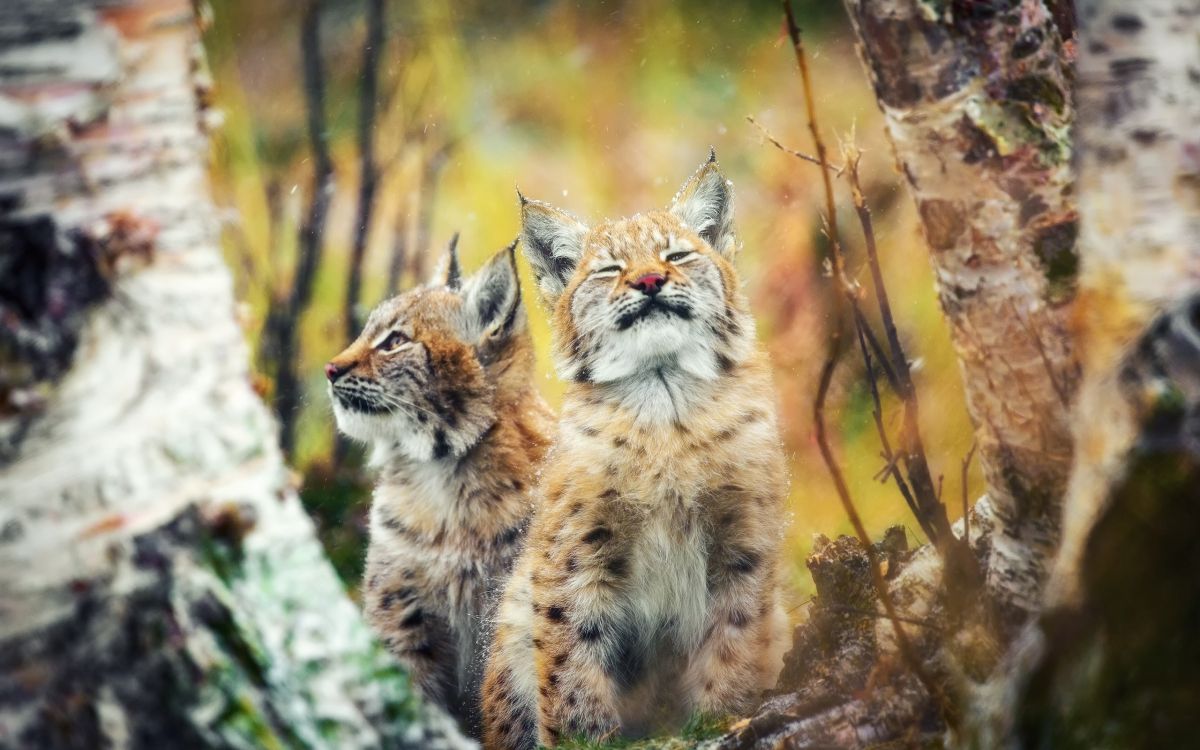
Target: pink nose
(333, 372)
(651, 283)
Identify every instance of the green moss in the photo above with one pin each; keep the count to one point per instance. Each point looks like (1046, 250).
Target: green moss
(1035, 89)
(338, 501)
(1055, 247)
(700, 728)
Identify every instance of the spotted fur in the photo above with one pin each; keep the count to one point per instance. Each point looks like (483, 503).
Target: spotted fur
(649, 588)
(440, 383)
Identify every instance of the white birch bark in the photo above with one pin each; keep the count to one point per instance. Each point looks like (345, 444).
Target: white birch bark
(160, 584)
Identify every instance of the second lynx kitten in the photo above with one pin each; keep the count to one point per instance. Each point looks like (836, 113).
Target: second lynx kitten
(440, 382)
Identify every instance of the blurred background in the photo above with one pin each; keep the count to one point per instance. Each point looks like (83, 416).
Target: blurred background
(602, 108)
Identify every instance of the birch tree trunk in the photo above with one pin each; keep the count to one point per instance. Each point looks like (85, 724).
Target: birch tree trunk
(976, 101)
(160, 585)
(1113, 660)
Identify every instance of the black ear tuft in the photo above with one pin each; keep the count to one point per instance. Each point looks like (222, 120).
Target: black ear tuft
(553, 242)
(705, 203)
(448, 272)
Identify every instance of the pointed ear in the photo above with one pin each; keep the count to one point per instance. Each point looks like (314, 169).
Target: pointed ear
(448, 272)
(553, 242)
(492, 296)
(705, 204)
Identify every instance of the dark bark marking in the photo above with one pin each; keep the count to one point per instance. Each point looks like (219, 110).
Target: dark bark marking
(944, 222)
(1127, 23)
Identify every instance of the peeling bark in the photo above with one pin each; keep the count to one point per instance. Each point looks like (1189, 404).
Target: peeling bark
(854, 689)
(976, 100)
(158, 577)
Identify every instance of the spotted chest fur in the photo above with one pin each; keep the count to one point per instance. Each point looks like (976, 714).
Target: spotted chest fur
(652, 587)
(443, 538)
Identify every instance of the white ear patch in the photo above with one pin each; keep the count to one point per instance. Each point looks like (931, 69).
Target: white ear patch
(705, 205)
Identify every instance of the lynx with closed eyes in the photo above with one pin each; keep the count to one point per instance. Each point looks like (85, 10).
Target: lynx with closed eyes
(649, 587)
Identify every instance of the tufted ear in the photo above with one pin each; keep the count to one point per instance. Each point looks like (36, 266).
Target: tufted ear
(448, 272)
(553, 242)
(705, 203)
(492, 297)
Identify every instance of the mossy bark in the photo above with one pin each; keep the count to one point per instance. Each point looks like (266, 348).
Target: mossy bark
(160, 584)
(1108, 660)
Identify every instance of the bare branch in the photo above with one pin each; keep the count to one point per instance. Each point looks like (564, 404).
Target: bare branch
(966, 468)
(373, 46)
(964, 577)
(834, 354)
(785, 149)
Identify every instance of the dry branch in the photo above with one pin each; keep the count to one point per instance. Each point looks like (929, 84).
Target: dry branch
(907, 652)
(368, 97)
(283, 326)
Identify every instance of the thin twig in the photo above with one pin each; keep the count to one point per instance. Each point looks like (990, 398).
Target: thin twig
(966, 467)
(368, 171)
(787, 150)
(834, 354)
(964, 577)
(871, 613)
(890, 469)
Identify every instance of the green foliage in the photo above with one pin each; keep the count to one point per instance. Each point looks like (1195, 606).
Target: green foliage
(338, 501)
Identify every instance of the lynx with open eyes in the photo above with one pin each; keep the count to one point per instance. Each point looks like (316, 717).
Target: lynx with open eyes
(440, 385)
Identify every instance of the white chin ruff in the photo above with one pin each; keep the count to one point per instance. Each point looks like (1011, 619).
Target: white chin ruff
(388, 434)
(654, 343)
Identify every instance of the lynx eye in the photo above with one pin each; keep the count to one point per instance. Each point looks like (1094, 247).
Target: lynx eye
(677, 256)
(394, 341)
(609, 270)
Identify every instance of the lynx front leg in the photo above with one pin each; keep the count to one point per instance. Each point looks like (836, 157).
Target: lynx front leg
(419, 637)
(582, 647)
(741, 653)
(510, 694)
